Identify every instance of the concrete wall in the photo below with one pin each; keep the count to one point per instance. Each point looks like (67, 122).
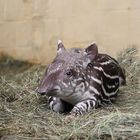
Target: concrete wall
(29, 29)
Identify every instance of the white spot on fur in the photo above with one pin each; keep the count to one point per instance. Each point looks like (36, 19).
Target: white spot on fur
(107, 75)
(64, 84)
(111, 86)
(106, 62)
(88, 76)
(93, 98)
(59, 65)
(87, 84)
(80, 87)
(109, 94)
(96, 80)
(94, 90)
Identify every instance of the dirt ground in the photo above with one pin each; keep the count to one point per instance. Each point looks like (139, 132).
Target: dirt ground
(24, 115)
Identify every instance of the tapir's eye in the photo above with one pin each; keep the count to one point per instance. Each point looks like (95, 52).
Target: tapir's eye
(69, 73)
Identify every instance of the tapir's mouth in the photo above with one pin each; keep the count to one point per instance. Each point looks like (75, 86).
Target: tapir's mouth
(52, 92)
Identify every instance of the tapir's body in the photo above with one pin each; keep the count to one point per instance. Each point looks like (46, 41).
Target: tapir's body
(81, 79)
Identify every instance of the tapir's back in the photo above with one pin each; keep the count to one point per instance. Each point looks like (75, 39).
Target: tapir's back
(111, 76)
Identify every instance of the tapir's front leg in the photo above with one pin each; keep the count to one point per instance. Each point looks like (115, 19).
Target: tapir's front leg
(58, 105)
(84, 106)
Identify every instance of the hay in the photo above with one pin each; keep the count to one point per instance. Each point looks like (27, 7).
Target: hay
(24, 115)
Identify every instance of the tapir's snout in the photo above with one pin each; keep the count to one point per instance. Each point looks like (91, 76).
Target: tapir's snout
(44, 86)
(49, 84)
(49, 91)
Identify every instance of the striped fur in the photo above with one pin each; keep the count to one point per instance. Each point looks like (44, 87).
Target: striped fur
(80, 80)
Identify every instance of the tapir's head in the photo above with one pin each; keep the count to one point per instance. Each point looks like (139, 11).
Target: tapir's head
(68, 70)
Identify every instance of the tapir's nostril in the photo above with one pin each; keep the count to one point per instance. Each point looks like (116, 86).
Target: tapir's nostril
(38, 90)
(42, 93)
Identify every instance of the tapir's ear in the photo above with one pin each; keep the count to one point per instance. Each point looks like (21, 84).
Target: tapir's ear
(60, 47)
(92, 51)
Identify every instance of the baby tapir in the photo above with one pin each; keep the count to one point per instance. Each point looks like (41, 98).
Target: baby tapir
(79, 80)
